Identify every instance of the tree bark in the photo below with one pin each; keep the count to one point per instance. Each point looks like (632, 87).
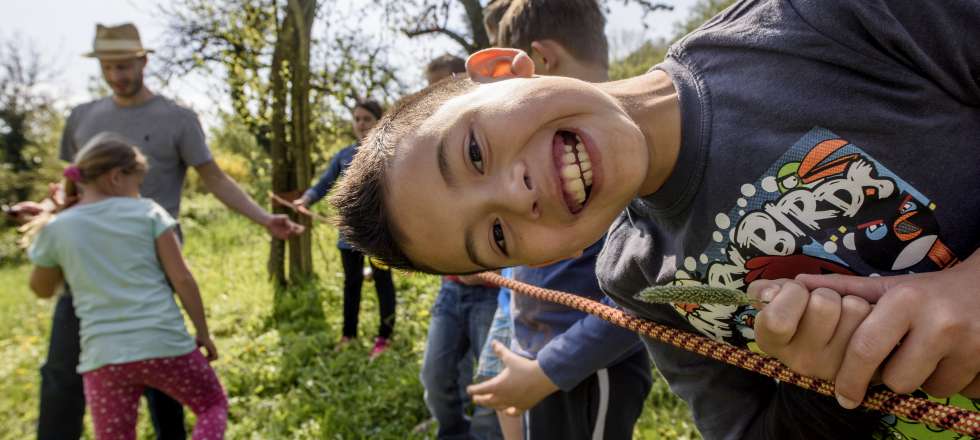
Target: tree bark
(303, 13)
(474, 15)
(278, 151)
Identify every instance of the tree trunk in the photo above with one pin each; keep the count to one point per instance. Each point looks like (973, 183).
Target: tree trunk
(303, 12)
(474, 15)
(278, 151)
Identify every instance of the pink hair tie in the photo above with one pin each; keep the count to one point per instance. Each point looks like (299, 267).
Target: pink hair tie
(73, 173)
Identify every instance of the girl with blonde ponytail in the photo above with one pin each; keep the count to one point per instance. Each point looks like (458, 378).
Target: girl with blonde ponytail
(120, 255)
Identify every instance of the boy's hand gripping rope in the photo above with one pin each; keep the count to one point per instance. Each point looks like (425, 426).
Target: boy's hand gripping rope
(959, 420)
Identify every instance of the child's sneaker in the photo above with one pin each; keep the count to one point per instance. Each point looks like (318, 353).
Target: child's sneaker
(344, 342)
(380, 345)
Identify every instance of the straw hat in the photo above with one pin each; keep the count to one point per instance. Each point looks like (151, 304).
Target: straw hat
(117, 43)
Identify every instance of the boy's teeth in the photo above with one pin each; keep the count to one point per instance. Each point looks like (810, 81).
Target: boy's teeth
(576, 171)
(576, 188)
(571, 171)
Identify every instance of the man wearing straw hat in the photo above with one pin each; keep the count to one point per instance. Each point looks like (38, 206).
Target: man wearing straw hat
(172, 139)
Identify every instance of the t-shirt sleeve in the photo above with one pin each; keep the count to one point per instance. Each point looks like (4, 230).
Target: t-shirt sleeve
(936, 39)
(68, 147)
(42, 251)
(588, 345)
(192, 145)
(161, 220)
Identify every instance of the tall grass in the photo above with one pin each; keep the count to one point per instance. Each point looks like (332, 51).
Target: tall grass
(278, 363)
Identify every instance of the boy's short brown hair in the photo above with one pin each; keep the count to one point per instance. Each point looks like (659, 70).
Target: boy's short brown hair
(578, 25)
(362, 215)
(447, 62)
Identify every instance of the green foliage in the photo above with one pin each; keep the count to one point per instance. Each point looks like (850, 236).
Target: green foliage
(278, 363)
(701, 12)
(652, 52)
(639, 61)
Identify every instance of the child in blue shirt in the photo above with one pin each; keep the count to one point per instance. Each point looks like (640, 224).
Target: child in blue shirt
(121, 255)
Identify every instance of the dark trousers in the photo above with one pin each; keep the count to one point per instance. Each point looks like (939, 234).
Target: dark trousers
(353, 262)
(62, 394)
(606, 405)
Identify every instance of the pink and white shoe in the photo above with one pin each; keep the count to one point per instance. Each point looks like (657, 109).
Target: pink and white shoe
(380, 346)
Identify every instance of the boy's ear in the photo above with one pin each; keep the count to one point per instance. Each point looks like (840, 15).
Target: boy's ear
(495, 64)
(546, 55)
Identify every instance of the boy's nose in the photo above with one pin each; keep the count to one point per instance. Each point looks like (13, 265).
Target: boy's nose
(520, 194)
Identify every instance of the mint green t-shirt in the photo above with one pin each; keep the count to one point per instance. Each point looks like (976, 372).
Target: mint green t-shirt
(107, 252)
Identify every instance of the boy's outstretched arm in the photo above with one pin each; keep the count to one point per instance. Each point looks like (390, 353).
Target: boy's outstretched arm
(518, 388)
(45, 281)
(181, 278)
(927, 323)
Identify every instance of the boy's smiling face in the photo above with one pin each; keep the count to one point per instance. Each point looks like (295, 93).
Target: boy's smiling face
(496, 177)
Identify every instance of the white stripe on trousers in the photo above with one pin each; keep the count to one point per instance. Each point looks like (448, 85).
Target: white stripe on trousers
(600, 420)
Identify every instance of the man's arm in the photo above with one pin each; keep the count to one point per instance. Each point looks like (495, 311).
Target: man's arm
(226, 190)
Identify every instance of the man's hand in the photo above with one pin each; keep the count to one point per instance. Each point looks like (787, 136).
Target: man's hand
(806, 330)
(23, 212)
(520, 386)
(281, 227)
(927, 323)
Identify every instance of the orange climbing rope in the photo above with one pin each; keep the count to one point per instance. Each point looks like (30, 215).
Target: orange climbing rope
(955, 419)
(915, 409)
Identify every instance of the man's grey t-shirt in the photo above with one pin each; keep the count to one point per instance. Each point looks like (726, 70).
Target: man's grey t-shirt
(170, 136)
(818, 136)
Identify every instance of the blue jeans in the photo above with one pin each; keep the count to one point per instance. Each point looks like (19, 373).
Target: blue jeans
(460, 322)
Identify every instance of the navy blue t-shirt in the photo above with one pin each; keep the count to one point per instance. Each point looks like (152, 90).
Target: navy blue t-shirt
(818, 136)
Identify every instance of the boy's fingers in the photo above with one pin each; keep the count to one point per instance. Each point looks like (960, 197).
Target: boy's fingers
(951, 377)
(872, 342)
(853, 311)
(488, 386)
(869, 288)
(777, 322)
(972, 390)
(487, 400)
(764, 290)
(823, 312)
(913, 362)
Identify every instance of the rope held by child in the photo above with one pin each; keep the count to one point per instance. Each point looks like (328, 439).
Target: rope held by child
(912, 408)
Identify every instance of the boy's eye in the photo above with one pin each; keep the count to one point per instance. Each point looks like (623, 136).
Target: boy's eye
(498, 236)
(476, 156)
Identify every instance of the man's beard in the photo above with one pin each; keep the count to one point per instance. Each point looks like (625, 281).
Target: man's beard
(132, 89)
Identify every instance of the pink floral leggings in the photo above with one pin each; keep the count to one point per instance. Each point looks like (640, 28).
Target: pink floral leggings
(112, 393)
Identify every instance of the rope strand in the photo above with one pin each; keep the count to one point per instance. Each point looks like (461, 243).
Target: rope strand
(955, 419)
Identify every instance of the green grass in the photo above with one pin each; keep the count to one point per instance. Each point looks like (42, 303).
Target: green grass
(278, 364)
